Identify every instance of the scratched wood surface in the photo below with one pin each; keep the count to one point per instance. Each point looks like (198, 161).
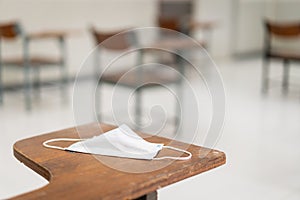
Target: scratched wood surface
(85, 176)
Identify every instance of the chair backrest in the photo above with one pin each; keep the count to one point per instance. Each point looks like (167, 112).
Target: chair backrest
(175, 8)
(175, 14)
(10, 30)
(283, 29)
(120, 42)
(169, 23)
(288, 30)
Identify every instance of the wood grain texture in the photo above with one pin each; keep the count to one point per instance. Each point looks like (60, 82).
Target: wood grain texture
(82, 176)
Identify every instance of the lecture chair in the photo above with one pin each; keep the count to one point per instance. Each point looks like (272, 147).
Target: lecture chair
(27, 63)
(144, 76)
(283, 31)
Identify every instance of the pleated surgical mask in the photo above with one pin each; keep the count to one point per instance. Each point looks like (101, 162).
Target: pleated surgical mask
(119, 142)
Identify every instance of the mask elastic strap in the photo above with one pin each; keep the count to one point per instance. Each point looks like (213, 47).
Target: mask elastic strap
(45, 144)
(175, 158)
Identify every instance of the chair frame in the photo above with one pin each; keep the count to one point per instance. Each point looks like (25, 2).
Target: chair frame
(281, 30)
(138, 92)
(28, 66)
(184, 20)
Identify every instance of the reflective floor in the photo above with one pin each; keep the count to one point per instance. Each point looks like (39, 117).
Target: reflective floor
(260, 138)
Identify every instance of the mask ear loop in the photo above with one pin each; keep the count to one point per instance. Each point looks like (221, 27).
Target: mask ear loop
(45, 144)
(175, 158)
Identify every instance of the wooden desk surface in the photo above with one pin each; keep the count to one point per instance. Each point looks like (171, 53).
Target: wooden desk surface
(82, 176)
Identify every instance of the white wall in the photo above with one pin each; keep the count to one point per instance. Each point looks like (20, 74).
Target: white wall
(249, 14)
(249, 26)
(220, 12)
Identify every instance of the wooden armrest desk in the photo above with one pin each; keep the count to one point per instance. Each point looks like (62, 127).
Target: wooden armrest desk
(82, 176)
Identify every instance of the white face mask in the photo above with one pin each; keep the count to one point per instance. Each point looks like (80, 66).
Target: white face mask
(119, 142)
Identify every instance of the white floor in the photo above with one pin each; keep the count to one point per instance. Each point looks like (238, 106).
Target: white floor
(260, 138)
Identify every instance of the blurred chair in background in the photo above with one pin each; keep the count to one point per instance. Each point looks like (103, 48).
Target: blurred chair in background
(30, 64)
(283, 31)
(177, 15)
(142, 78)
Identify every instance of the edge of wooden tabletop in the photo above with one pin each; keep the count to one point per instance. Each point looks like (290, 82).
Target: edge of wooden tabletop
(44, 172)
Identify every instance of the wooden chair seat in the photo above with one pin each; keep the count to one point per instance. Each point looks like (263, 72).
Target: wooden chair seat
(37, 61)
(150, 77)
(47, 34)
(290, 55)
(176, 44)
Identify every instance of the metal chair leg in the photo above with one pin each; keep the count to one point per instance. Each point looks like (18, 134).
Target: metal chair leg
(1, 94)
(138, 100)
(98, 102)
(265, 75)
(37, 82)
(285, 78)
(1, 86)
(178, 105)
(63, 70)
(63, 84)
(150, 196)
(1, 82)
(27, 88)
(27, 70)
(179, 93)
